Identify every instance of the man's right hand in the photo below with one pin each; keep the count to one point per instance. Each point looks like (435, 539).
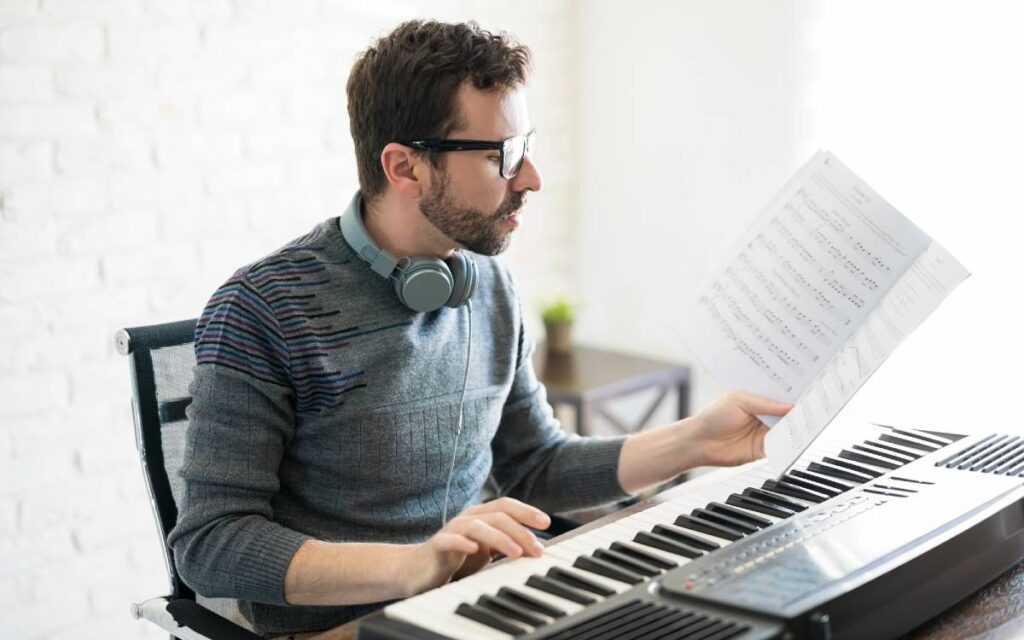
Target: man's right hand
(469, 540)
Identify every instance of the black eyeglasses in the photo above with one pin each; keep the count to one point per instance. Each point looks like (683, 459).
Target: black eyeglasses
(513, 150)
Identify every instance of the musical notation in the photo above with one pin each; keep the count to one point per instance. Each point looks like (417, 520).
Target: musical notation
(815, 296)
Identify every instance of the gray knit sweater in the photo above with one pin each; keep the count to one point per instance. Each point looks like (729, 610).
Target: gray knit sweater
(324, 408)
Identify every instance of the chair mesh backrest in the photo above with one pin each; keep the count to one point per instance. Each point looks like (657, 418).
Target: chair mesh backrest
(172, 375)
(162, 358)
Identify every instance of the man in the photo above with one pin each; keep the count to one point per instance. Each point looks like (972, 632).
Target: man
(343, 409)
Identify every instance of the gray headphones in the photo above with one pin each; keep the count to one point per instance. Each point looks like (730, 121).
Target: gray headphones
(422, 283)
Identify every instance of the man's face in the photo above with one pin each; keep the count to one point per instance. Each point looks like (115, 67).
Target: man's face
(468, 201)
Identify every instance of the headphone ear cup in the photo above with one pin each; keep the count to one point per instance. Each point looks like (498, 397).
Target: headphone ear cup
(425, 284)
(464, 271)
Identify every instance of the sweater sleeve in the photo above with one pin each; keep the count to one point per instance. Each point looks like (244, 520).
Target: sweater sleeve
(225, 542)
(537, 462)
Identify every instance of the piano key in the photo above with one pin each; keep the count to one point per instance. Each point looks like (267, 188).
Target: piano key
(768, 496)
(560, 590)
(907, 442)
(712, 630)
(629, 563)
(607, 569)
(903, 451)
(696, 524)
(740, 514)
(512, 609)
(489, 618)
(833, 471)
(760, 506)
(816, 483)
(530, 602)
(793, 491)
(654, 557)
(574, 579)
(688, 538)
(859, 456)
(724, 521)
(454, 626)
(898, 458)
(563, 558)
(919, 435)
(856, 468)
(827, 475)
(658, 541)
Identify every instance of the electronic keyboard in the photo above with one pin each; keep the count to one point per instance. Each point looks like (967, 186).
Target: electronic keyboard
(867, 538)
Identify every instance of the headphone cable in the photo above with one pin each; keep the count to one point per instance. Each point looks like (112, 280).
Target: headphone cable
(458, 426)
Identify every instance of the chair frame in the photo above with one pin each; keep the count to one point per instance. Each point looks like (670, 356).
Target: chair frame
(177, 613)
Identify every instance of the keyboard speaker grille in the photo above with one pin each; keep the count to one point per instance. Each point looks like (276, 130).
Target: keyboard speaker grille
(650, 621)
(998, 454)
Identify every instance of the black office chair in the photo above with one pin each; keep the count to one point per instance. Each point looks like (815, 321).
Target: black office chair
(162, 357)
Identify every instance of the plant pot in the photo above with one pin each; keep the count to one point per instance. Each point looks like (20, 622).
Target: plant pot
(559, 338)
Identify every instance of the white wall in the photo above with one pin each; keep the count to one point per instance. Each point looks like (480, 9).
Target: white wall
(147, 149)
(694, 113)
(689, 121)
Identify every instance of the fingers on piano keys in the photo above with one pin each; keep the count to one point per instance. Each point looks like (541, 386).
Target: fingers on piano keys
(527, 594)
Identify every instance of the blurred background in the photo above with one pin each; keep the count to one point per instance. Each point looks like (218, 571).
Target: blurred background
(150, 147)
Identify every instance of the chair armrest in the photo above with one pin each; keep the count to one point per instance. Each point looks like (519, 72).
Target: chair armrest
(188, 620)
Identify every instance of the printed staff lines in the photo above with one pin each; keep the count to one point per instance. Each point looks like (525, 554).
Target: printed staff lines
(841, 230)
(834, 251)
(817, 294)
(816, 329)
(773, 318)
(758, 333)
(743, 347)
(827, 274)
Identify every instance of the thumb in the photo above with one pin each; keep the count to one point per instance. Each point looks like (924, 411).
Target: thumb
(760, 405)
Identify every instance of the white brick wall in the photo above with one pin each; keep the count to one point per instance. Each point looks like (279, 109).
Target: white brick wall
(147, 149)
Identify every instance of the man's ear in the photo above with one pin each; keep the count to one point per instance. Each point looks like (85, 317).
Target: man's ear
(404, 169)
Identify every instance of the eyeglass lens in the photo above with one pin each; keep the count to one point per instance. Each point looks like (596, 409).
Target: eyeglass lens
(515, 152)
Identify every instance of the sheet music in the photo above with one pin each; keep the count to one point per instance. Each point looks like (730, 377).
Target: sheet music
(821, 289)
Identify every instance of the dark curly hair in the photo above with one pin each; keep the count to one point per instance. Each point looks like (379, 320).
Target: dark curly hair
(405, 86)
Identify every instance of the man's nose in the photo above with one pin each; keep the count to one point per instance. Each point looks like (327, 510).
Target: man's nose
(529, 177)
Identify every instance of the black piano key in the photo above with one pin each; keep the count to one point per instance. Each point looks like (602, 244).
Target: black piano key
(858, 456)
(726, 510)
(768, 496)
(657, 541)
(556, 588)
(626, 562)
(489, 618)
(511, 609)
(907, 442)
(921, 435)
(579, 582)
(696, 524)
(903, 451)
(714, 631)
(835, 472)
(607, 569)
(858, 468)
(886, 493)
(787, 489)
(640, 554)
(759, 506)
(681, 535)
(890, 487)
(948, 437)
(725, 521)
(815, 483)
(681, 628)
(530, 602)
(881, 453)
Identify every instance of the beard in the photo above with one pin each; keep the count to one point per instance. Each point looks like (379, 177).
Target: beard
(477, 230)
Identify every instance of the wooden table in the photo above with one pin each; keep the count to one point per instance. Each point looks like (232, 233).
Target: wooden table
(588, 378)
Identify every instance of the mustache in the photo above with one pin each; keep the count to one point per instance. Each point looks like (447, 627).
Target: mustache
(514, 203)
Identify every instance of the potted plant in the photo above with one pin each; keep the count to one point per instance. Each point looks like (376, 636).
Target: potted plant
(558, 315)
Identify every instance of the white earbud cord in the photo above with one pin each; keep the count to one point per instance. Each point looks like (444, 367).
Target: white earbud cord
(458, 426)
